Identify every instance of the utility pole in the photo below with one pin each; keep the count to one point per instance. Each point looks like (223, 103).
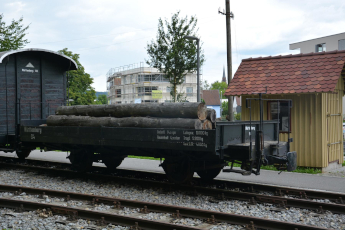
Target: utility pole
(228, 16)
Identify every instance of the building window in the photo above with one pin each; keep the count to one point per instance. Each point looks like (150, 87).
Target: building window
(169, 89)
(320, 47)
(341, 44)
(150, 101)
(146, 91)
(152, 78)
(118, 93)
(189, 91)
(284, 121)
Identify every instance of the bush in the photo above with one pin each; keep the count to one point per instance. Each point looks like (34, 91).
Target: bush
(225, 108)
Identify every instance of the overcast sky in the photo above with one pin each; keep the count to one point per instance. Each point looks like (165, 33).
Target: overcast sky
(113, 33)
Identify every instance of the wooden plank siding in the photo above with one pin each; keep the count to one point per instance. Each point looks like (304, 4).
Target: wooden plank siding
(309, 122)
(333, 124)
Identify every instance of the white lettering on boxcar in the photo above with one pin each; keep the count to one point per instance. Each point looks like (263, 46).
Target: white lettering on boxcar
(188, 132)
(32, 130)
(161, 132)
(202, 133)
(163, 137)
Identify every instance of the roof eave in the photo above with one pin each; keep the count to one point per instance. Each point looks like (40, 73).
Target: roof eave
(10, 52)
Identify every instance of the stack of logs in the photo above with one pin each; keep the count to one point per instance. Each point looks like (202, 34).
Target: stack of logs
(163, 115)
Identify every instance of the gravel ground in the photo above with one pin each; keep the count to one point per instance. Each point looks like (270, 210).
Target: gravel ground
(340, 172)
(103, 208)
(302, 216)
(34, 220)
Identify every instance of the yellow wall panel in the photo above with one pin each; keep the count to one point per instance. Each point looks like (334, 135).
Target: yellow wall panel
(306, 126)
(316, 128)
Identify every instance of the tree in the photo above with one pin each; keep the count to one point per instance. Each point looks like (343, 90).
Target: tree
(12, 36)
(205, 85)
(221, 86)
(102, 99)
(80, 89)
(225, 107)
(171, 53)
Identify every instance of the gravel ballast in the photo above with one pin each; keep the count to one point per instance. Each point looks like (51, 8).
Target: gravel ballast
(112, 189)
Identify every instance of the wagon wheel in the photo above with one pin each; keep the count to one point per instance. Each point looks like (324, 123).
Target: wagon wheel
(179, 171)
(112, 163)
(81, 160)
(209, 174)
(23, 153)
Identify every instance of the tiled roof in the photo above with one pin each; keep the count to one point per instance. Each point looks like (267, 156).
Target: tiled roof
(211, 97)
(300, 73)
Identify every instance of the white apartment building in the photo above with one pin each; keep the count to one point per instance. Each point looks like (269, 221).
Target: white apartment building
(327, 43)
(138, 84)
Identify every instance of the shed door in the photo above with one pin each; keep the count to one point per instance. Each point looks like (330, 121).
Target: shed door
(334, 126)
(29, 86)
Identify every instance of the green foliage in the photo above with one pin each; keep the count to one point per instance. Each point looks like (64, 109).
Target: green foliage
(205, 85)
(221, 86)
(171, 53)
(12, 36)
(238, 117)
(102, 99)
(145, 158)
(225, 107)
(80, 89)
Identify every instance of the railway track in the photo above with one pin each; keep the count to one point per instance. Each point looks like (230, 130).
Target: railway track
(210, 218)
(281, 197)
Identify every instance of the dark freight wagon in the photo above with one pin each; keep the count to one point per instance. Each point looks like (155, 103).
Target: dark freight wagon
(32, 86)
(31, 96)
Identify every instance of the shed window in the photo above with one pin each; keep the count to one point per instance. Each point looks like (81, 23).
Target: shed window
(284, 121)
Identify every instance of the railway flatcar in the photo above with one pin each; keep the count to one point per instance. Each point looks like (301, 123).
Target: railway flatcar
(34, 84)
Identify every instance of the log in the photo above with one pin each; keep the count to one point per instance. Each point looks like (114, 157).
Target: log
(140, 122)
(206, 124)
(211, 115)
(165, 110)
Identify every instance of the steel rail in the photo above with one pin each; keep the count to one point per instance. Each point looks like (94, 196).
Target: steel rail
(212, 216)
(223, 191)
(101, 217)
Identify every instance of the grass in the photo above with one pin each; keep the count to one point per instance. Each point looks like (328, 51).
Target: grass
(146, 158)
(343, 163)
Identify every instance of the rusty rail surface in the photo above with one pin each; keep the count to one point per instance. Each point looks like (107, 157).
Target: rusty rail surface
(211, 217)
(245, 191)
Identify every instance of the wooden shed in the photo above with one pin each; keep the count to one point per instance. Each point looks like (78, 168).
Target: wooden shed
(315, 83)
